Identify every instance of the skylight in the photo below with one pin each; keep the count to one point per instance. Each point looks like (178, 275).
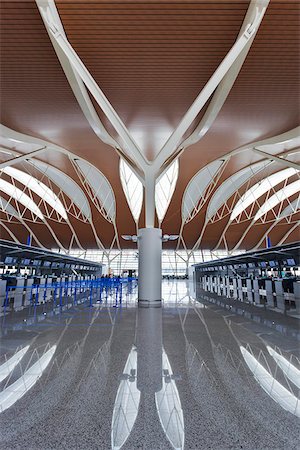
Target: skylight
(98, 187)
(38, 188)
(132, 188)
(277, 198)
(260, 189)
(20, 197)
(164, 189)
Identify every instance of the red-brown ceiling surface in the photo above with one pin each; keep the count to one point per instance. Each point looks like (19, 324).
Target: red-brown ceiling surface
(151, 59)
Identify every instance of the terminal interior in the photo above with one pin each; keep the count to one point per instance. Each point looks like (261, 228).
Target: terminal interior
(149, 225)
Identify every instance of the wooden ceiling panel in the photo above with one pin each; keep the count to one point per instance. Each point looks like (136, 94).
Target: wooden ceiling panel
(151, 58)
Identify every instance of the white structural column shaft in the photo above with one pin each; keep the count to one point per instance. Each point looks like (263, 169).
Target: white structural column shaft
(150, 198)
(150, 250)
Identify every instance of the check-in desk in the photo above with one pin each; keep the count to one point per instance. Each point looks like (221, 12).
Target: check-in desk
(228, 290)
(249, 290)
(240, 289)
(271, 300)
(279, 295)
(42, 290)
(48, 293)
(28, 291)
(297, 295)
(2, 291)
(235, 288)
(256, 291)
(19, 292)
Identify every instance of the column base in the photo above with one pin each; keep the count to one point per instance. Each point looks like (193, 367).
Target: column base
(149, 303)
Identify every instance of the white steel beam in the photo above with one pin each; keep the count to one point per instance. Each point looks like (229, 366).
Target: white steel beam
(23, 157)
(174, 141)
(225, 86)
(285, 162)
(282, 240)
(58, 35)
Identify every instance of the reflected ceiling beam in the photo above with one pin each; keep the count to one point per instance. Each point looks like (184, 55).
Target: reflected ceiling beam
(24, 157)
(281, 160)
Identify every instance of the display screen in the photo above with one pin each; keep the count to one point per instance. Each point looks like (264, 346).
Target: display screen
(46, 263)
(262, 264)
(290, 262)
(25, 262)
(10, 260)
(36, 262)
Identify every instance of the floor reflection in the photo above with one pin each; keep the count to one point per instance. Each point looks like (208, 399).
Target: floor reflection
(192, 374)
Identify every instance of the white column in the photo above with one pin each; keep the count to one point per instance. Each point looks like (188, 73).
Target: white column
(150, 250)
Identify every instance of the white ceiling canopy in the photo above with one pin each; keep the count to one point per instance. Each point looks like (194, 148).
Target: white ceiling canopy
(8, 208)
(66, 185)
(194, 195)
(231, 185)
(260, 188)
(133, 189)
(278, 198)
(98, 187)
(20, 197)
(38, 188)
(164, 189)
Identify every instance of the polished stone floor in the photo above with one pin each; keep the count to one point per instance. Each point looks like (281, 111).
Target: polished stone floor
(202, 373)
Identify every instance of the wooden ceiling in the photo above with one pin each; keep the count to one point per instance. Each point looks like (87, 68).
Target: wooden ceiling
(151, 59)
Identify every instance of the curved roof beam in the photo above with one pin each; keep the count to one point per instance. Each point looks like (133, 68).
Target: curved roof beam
(278, 198)
(7, 208)
(54, 27)
(291, 209)
(259, 189)
(221, 93)
(284, 238)
(38, 188)
(254, 18)
(98, 187)
(66, 184)
(20, 197)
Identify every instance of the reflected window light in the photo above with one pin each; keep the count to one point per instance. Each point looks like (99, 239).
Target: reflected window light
(16, 390)
(168, 406)
(38, 188)
(259, 189)
(11, 363)
(270, 385)
(126, 404)
(286, 366)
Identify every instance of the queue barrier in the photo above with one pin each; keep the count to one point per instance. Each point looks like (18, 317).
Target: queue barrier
(91, 290)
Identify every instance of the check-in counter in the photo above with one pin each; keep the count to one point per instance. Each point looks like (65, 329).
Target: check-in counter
(28, 291)
(271, 300)
(297, 295)
(42, 289)
(2, 291)
(48, 295)
(256, 291)
(19, 292)
(249, 290)
(235, 288)
(279, 295)
(228, 290)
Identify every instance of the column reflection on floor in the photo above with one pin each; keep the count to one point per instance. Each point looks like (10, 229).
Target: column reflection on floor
(192, 374)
